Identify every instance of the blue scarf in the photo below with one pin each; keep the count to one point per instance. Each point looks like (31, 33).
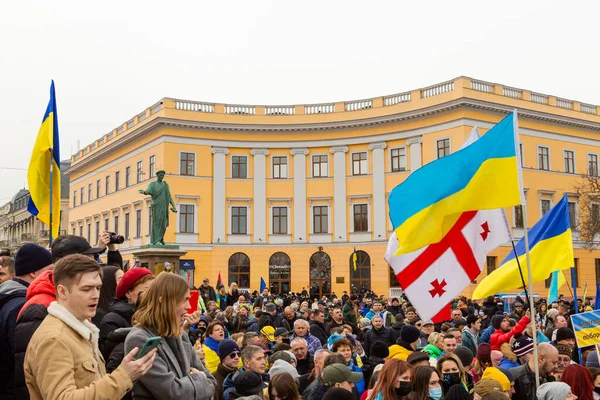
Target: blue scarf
(212, 344)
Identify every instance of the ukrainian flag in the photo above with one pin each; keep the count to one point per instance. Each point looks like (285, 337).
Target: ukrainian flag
(354, 259)
(551, 249)
(481, 176)
(46, 151)
(557, 280)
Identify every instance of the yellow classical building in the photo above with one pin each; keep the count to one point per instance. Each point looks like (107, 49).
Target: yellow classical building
(287, 193)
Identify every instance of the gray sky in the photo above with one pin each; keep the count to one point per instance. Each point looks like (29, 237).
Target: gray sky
(113, 60)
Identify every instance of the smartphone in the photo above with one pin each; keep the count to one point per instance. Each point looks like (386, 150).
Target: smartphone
(151, 343)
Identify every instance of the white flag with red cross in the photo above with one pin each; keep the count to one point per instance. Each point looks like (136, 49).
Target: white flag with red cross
(434, 275)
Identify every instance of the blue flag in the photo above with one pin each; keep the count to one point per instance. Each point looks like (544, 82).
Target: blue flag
(597, 306)
(263, 285)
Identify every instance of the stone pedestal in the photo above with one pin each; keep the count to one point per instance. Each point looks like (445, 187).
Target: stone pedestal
(154, 257)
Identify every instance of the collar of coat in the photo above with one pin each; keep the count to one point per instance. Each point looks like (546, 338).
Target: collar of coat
(86, 329)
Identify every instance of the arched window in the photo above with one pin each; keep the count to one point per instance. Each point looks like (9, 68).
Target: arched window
(239, 270)
(280, 268)
(320, 275)
(361, 278)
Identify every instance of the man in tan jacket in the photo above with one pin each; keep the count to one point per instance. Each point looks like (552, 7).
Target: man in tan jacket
(62, 360)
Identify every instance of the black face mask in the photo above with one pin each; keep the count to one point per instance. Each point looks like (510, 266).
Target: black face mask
(404, 389)
(452, 378)
(597, 390)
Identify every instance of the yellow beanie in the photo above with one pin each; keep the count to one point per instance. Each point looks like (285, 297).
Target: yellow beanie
(497, 375)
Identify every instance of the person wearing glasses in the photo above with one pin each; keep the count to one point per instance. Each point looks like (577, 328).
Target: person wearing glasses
(229, 353)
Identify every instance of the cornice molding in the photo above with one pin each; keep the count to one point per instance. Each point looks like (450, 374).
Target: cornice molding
(377, 146)
(259, 152)
(303, 151)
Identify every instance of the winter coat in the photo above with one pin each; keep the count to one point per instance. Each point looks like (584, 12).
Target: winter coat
(395, 310)
(499, 337)
(397, 327)
(508, 364)
(240, 323)
(401, 351)
(368, 367)
(220, 374)
(233, 297)
(314, 391)
(63, 361)
(486, 334)
(117, 353)
(318, 330)
(384, 334)
(40, 294)
(360, 385)
(229, 388)
(348, 312)
(212, 359)
(469, 340)
(305, 366)
(207, 293)
(169, 377)
(525, 383)
(252, 325)
(119, 316)
(12, 299)
(433, 351)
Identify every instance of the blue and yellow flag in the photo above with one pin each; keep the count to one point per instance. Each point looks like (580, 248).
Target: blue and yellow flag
(263, 285)
(482, 176)
(354, 259)
(46, 151)
(551, 249)
(557, 279)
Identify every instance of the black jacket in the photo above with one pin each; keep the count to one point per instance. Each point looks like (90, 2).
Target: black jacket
(314, 391)
(12, 299)
(525, 382)
(318, 330)
(252, 326)
(384, 334)
(368, 367)
(207, 293)
(305, 366)
(119, 316)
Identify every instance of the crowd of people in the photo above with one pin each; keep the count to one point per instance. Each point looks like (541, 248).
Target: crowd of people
(73, 327)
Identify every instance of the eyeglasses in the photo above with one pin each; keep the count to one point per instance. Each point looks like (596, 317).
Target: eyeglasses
(235, 354)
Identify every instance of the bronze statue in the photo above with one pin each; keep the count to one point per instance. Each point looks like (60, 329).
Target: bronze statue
(161, 198)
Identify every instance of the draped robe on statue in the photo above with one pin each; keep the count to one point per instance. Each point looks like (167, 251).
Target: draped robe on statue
(161, 198)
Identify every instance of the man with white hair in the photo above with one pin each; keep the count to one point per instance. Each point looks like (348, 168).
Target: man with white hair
(302, 330)
(304, 360)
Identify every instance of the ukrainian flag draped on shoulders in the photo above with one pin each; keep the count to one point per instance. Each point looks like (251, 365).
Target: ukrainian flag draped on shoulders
(550, 249)
(482, 176)
(46, 151)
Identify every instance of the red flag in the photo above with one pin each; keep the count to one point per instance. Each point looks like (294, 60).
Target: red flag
(219, 282)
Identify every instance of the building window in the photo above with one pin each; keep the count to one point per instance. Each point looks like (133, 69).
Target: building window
(280, 271)
(280, 221)
(239, 220)
(569, 162)
(360, 278)
(361, 218)
(81, 196)
(239, 270)
(116, 227)
(73, 231)
(239, 167)
(98, 189)
(491, 264)
(320, 219)
(89, 232)
(320, 167)
(359, 163)
(543, 158)
(81, 230)
(593, 164)
(138, 223)
(546, 204)
(97, 228)
(279, 167)
(126, 227)
(521, 153)
(443, 148)
(117, 180)
(106, 224)
(140, 172)
(152, 166)
(572, 214)
(107, 186)
(127, 176)
(519, 216)
(90, 192)
(186, 218)
(187, 163)
(74, 198)
(399, 159)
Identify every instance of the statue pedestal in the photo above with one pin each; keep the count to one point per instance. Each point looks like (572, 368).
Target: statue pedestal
(154, 257)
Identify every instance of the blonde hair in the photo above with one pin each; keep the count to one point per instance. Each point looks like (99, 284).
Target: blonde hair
(433, 338)
(158, 303)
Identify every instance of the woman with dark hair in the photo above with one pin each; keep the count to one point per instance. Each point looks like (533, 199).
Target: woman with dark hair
(177, 373)
(394, 381)
(350, 312)
(110, 279)
(215, 332)
(484, 360)
(345, 347)
(541, 315)
(283, 387)
(427, 384)
(581, 381)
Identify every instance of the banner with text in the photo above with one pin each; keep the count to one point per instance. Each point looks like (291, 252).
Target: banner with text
(587, 328)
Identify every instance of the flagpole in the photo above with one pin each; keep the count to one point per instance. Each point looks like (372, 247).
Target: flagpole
(574, 281)
(520, 271)
(51, 199)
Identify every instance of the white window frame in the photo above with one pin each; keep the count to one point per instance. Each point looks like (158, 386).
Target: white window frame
(436, 147)
(576, 216)
(356, 203)
(247, 165)
(195, 232)
(539, 146)
(588, 164)
(405, 159)
(541, 210)
(363, 173)
(312, 171)
(288, 224)
(137, 171)
(574, 161)
(312, 228)
(150, 156)
(239, 238)
(287, 160)
(195, 162)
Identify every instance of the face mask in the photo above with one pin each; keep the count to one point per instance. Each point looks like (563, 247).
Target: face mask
(404, 389)
(597, 390)
(435, 393)
(452, 378)
(284, 340)
(481, 313)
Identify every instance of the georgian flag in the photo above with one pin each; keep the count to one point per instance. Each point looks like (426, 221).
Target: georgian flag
(434, 275)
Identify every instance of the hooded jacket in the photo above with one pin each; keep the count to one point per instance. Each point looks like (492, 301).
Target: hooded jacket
(12, 299)
(383, 334)
(499, 337)
(317, 329)
(119, 316)
(229, 388)
(401, 351)
(433, 351)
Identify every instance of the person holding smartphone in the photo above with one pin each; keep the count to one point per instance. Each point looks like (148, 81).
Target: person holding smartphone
(177, 373)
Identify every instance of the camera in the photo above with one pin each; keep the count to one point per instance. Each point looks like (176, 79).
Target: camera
(115, 239)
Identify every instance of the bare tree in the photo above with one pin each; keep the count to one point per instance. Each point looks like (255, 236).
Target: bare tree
(588, 189)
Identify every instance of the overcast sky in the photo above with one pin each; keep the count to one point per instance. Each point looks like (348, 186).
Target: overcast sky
(114, 59)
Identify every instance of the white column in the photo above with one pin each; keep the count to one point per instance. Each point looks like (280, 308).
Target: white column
(339, 193)
(260, 195)
(299, 195)
(378, 211)
(219, 216)
(415, 152)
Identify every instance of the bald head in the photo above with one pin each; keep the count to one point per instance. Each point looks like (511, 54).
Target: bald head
(547, 359)
(289, 313)
(546, 349)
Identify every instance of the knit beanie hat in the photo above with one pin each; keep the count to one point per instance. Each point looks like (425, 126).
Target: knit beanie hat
(564, 334)
(409, 333)
(566, 350)
(465, 355)
(507, 373)
(379, 349)
(497, 320)
(553, 391)
(31, 257)
(226, 347)
(522, 345)
(497, 375)
(592, 360)
(281, 366)
(496, 357)
(284, 355)
(332, 339)
(129, 279)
